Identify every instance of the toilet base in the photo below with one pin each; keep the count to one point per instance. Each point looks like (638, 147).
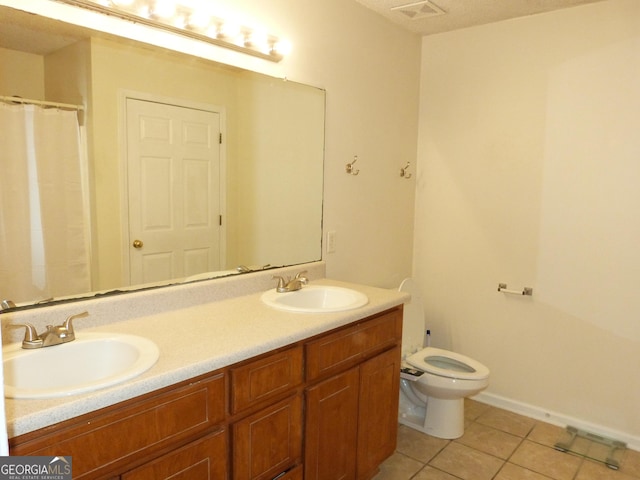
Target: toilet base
(444, 418)
(441, 418)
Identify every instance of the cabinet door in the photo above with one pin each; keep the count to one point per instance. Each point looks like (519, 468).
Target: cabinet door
(378, 412)
(204, 459)
(268, 442)
(331, 428)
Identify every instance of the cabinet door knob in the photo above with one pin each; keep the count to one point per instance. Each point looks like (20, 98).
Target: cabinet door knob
(137, 244)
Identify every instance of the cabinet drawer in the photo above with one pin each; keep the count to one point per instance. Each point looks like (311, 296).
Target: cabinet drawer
(103, 442)
(268, 442)
(265, 378)
(204, 459)
(351, 345)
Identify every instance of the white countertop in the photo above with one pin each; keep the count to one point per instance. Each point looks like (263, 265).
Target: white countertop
(194, 341)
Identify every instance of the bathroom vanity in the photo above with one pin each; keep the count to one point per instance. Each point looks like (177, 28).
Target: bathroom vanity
(316, 399)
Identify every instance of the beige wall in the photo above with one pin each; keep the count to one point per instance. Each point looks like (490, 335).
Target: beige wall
(529, 173)
(26, 81)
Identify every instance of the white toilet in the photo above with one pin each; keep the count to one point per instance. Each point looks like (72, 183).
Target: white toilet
(434, 382)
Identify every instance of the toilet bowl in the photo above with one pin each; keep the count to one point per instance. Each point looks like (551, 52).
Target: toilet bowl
(432, 394)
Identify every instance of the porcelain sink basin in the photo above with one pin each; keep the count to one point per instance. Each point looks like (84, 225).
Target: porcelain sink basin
(90, 362)
(315, 299)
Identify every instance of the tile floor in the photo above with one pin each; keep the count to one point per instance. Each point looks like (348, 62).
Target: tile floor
(497, 445)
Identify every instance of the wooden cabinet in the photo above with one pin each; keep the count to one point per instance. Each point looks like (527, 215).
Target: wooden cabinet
(378, 411)
(112, 440)
(204, 459)
(351, 417)
(331, 423)
(265, 378)
(349, 346)
(247, 421)
(268, 442)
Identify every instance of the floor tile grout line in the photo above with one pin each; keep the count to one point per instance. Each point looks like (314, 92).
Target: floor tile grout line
(533, 436)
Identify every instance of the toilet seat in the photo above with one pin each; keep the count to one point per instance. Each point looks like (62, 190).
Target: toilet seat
(448, 364)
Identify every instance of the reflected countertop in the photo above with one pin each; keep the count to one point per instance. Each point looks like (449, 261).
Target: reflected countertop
(194, 341)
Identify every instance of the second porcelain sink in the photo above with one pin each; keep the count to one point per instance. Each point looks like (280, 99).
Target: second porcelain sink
(316, 299)
(92, 361)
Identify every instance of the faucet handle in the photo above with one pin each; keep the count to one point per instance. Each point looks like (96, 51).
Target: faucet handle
(6, 304)
(302, 277)
(68, 323)
(31, 338)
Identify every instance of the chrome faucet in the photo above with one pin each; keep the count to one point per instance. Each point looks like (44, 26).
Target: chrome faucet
(54, 335)
(290, 285)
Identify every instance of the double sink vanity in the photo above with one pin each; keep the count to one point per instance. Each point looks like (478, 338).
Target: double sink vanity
(243, 383)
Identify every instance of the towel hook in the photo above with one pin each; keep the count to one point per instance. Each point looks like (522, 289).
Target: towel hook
(404, 173)
(349, 167)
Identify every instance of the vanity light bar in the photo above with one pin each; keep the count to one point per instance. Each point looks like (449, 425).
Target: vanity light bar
(170, 16)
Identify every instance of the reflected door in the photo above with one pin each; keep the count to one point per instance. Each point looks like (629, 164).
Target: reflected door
(173, 162)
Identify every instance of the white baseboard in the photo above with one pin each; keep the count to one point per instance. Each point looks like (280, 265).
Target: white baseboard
(555, 418)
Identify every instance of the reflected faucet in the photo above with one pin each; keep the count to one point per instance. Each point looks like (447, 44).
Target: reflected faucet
(245, 269)
(289, 285)
(7, 304)
(54, 335)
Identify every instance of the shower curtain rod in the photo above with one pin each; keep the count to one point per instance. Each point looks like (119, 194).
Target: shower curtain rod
(68, 106)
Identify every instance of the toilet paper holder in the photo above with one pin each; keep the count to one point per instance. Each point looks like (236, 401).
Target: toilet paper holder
(502, 287)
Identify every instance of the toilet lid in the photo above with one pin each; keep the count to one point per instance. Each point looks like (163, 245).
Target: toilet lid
(448, 364)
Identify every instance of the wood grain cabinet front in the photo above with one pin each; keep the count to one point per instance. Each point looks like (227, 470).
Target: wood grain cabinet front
(351, 416)
(268, 442)
(204, 459)
(377, 411)
(331, 427)
(111, 441)
(266, 378)
(334, 352)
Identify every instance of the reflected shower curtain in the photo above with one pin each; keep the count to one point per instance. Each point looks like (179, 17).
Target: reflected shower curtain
(44, 228)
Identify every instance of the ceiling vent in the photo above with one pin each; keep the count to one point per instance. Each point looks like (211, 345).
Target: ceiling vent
(418, 10)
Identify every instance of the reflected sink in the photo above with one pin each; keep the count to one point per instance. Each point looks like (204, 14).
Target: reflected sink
(90, 362)
(315, 299)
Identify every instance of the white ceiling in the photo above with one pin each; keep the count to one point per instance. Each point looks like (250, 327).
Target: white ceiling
(32, 33)
(436, 16)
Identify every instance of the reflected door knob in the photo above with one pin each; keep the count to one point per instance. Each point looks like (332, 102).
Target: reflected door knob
(137, 244)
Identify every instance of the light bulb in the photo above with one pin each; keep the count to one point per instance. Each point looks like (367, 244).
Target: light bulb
(282, 47)
(164, 8)
(180, 21)
(258, 40)
(144, 11)
(199, 20)
(228, 30)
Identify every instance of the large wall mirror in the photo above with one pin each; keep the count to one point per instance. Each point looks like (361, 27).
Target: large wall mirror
(186, 169)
